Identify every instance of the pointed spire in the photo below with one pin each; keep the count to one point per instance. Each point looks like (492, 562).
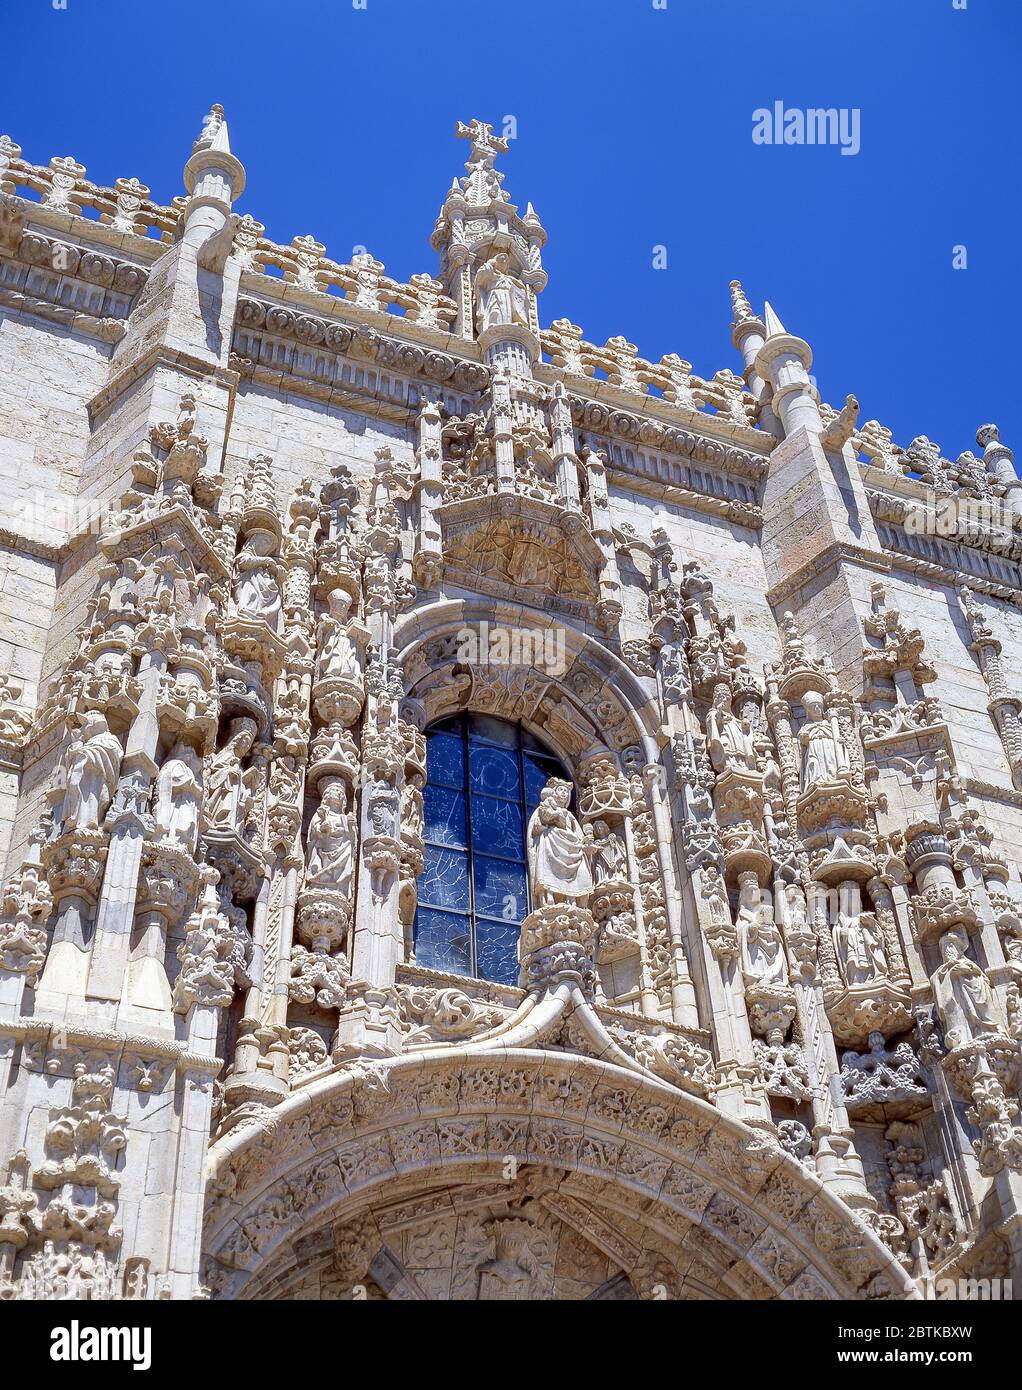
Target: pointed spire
(774, 327)
(784, 361)
(213, 177)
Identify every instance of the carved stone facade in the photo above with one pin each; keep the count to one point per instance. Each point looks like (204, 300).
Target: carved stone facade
(713, 991)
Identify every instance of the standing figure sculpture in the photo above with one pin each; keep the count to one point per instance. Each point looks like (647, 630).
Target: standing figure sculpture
(331, 842)
(178, 798)
(558, 851)
(858, 942)
(728, 739)
(502, 298)
(608, 860)
(338, 655)
(257, 589)
(228, 792)
(824, 755)
(93, 762)
(963, 994)
(760, 941)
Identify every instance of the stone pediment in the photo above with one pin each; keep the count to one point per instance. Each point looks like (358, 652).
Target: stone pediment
(522, 548)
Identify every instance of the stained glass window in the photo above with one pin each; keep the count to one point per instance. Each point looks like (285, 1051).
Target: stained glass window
(484, 781)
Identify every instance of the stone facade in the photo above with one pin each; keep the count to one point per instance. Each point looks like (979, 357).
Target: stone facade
(279, 535)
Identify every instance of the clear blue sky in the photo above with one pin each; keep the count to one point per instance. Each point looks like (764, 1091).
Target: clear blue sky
(634, 130)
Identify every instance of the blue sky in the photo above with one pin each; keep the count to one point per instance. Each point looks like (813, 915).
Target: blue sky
(634, 130)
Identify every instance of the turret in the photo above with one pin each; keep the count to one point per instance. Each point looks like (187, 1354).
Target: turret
(784, 361)
(491, 257)
(214, 178)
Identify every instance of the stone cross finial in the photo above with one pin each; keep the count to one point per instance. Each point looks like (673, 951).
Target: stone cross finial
(485, 145)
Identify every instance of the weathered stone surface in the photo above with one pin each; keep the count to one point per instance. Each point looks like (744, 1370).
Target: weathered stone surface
(293, 555)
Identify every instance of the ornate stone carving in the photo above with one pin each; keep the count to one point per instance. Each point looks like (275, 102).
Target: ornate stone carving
(559, 853)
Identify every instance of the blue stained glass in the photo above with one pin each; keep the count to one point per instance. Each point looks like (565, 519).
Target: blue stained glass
(445, 760)
(500, 889)
(443, 941)
(473, 897)
(494, 771)
(538, 772)
(444, 881)
(444, 815)
(497, 951)
(484, 726)
(497, 827)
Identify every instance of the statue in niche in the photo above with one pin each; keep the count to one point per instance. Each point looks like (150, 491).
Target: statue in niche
(338, 654)
(728, 739)
(824, 755)
(383, 803)
(762, 947)
(558, 850)
(796, 913)
(606, 853)
(178, 798)
(229, 787)
(715, 894)
(412, 815)
(858, 940)
(93, 762)
(256, 588)
(331, 842)
(963, 994)
(501, 299)
(674, 673)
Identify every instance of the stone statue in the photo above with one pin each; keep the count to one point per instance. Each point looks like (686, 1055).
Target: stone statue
(728, 740)
(501, 298)
(228, 791)
(93, 762)
(762, 948)
(331, 843)
(824, 755)
(338, 655)
(606, 853)
(558, 858)
(858, 941)
(796, 912)
(179, 797)
(963, 994)
(412, 819)
(383, 804)
(256, 589)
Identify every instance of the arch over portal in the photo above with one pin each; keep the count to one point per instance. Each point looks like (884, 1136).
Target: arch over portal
(551, 1148)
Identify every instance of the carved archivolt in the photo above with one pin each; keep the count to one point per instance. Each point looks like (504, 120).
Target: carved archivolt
(582, 700)
(352, 1140)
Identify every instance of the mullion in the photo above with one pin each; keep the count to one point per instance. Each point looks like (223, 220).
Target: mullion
(525, 822)
(466, 744)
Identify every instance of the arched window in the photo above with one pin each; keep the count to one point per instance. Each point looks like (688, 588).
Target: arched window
(484, 780)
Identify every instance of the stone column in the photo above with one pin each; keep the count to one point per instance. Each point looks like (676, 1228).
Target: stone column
(428, 566)
(503, 443)
(563, 437)
(609, 607)
(999, 462)
(130, 822)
